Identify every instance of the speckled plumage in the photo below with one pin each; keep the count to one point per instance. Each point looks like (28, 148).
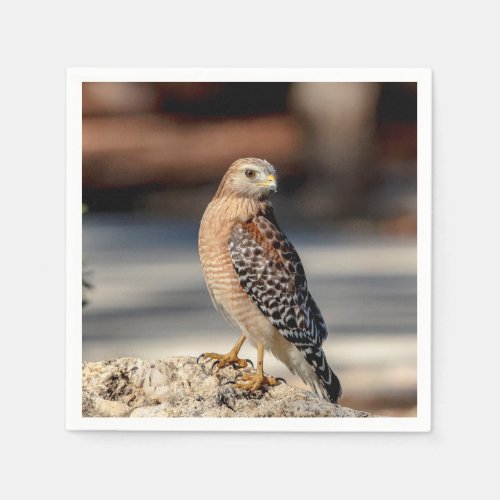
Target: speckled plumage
(256, 279)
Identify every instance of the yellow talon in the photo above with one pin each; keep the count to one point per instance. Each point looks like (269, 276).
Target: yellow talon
(255, 382)
(223, 360)
(231, 358)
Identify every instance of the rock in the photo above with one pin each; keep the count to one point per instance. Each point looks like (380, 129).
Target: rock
(179, 387)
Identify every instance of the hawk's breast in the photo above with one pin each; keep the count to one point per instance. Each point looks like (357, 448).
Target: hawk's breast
(222, 281)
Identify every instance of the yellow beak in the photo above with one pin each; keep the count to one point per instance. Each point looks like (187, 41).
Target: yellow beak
(272, 183)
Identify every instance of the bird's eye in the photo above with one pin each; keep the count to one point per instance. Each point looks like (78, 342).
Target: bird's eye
(250, 173)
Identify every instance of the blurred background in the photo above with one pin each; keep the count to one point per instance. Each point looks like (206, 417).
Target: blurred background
(153, 155)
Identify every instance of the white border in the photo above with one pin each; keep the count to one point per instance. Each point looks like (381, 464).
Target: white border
(74, 419)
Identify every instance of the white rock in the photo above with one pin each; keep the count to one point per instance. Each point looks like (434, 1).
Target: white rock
(179, 387)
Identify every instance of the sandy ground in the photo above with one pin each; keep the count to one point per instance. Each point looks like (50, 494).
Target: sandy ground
(149, 300)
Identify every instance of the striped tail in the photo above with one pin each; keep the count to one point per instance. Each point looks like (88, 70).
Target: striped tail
(328, 384)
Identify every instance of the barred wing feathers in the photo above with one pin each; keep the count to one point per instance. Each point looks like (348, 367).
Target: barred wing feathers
(271, 273)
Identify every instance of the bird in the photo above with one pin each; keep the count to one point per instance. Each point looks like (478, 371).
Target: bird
(257, 282)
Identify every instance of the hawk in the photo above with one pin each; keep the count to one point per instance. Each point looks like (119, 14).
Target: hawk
(257, 282)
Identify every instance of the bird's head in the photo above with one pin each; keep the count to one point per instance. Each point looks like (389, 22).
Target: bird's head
(249, 178)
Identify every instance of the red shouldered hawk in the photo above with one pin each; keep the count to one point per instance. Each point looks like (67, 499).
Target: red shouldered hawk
(256, 280)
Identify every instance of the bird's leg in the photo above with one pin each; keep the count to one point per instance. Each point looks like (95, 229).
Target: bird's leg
(231, 358)
(254, 382)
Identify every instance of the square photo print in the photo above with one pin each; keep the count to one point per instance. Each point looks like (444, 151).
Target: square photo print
(249, 249)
